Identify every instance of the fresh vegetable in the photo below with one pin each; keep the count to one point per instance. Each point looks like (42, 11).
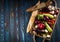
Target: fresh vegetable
(46, 31)
(56, 11)
(39, 31)
(40, 16)
(51, 22)
(36, 26)
(52, 12)
(49, 15)
(45, 10)
(48, 36)
(41, 26)
(48, 27)
(46, 18)
(55, 16)
(37, 21)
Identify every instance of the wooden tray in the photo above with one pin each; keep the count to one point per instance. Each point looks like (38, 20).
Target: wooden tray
(32, 19)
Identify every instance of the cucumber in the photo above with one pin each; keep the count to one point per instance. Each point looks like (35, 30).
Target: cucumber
(49, 15)
(40, 16)
(48, 27)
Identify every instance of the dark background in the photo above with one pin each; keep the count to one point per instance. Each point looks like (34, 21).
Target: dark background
(14, 20)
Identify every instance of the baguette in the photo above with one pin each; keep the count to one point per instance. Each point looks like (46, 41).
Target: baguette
(31, 21)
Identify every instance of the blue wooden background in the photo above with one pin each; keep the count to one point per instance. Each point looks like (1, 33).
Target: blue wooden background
(14, 20)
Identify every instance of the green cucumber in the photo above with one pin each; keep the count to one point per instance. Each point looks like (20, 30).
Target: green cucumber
(40, 16)
(48, 27)
(49, 15)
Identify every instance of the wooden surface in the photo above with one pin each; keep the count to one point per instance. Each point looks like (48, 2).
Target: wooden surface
(14, 20)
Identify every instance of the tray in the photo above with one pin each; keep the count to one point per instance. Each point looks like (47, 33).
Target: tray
(35, 12)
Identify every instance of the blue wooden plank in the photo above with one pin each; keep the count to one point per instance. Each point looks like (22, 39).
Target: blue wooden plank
(12, 26)
(11, 23)
(2, 22)
(2, 26)
(6, 11)
(19, 20)
(16, 25)
(22, 27)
